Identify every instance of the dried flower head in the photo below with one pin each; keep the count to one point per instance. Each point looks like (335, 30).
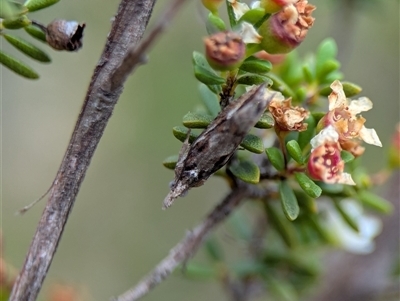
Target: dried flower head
(325, 163)
(287, 117)
(65, 35)
(225, 50)
(343, 117)
(286, 29)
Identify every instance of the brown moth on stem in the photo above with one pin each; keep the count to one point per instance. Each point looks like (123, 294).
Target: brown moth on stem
(216, 144)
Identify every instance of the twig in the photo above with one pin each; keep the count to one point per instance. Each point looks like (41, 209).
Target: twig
(192, 241)
(101, 98)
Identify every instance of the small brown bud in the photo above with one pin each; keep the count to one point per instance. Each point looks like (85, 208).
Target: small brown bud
(65, 35)
(225, 50)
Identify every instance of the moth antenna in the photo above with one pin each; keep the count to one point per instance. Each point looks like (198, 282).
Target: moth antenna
(27, 207)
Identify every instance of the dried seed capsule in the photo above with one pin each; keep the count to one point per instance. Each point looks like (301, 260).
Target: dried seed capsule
(225, 50)
(285, 30)
(65, 35)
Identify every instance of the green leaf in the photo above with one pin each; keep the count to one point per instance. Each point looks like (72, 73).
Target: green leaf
(215, 24)
(266, 121)
(36, 32)
(261, 21)
(27, 48)
(288, 200)
(275, 156)
(246, 170)
(16, 23)
(284, 290)
(241, 225)
(375, 202)
(253, 144)
(279, 85)
(199, 271)
(308, 185)
(335, 75)
(253, 79)
(17, 66)
(282, 225)
(320, 229)
(305, 136)
(327, 51)
(207, 77)
(255, 65)
(252, 16)
(34, 5)
(350, 89)
(348, 219)
(318, 116)
(180, 133)
(198, 59)
(295, 261)
(196, 120)
(347, 156)
(216, 89)
(171, 161)
(231, 14)
(309, 69)
(247, 267)
(306, 202)
(213, 249)
(210, 100)
(294, 151)
(10, 9)
(327, 67)
(301, 95)
(203, 71)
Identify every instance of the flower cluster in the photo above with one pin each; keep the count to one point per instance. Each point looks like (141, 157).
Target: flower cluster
(342, 130)
(283, 31)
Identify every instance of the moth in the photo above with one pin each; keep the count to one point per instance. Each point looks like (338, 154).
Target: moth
(213, 148)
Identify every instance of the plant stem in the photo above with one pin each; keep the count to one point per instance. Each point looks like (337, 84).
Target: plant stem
(127, 29)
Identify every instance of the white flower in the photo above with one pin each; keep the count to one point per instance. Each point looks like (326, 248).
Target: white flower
(343, 115)
(355, 242)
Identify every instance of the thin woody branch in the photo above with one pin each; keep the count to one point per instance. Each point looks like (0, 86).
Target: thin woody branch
(188, 246)
(126, 32)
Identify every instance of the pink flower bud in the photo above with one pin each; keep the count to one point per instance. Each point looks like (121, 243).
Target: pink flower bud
(285, 30)
(325, 163)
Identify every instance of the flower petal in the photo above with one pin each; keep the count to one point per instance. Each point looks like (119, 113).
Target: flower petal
(249, 34)
(337, 98)
(239, 8)
(370, 136)
(363, 104)
(345, 178)
(327, 134)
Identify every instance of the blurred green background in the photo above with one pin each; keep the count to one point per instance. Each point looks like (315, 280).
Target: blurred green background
(117, 231)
